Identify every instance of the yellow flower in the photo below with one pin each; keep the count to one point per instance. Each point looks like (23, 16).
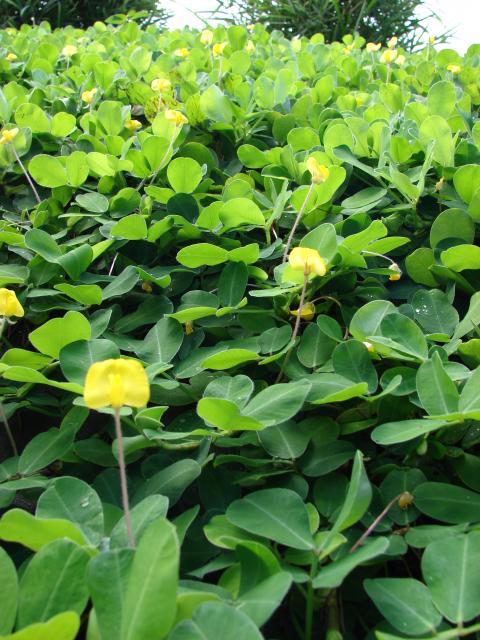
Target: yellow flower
(116, 383)
(218, 48)
(9, 304)
(11, 57)
(69, 50)
(439, 184)
(400, 60)
(251, 27)
(369, 346)
(396, 272)
(88, 96)
(161, 84)
(206, 37)
(250, 46)
(8, 135)
(432, 40)
(405, 500)
(388, 56)
(307, 260)
(176, 117)
(392, 43)
(181, 53)
(454, 68)
(320, 172)
(372, 47)
(307, 312)
(133, 125)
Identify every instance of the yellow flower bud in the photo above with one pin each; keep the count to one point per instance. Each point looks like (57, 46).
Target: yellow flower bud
(147, 287)
(307, 260)
(320, 173)
(251, 27)
(307, 312)
(116, 383)
(372, 47)
(388, 56)
(9, 304)
(392, 43)
(188, 327)
(176, 117)
(432, 40)
(454, 68)
(396, 272)
(439, 184)
(183, 52)
(88, 96)
(11, 57)
(133, 125)
(206, 37)
(161, 84)
(250, 46)
(218, 48)
(69, 50)
(405, 500)
(369, 346)
(400, 60)
(8, 135)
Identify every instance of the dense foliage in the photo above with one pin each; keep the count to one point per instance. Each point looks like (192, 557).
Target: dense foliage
(372, 19)
(308, 463)
(80, 13)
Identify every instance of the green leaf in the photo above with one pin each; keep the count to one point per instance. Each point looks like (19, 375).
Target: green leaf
(335, 573)
(87, 294)
(150, 599)
(33, 532)
(406, 603)
(214, 620)
(77, 357)
(404, 430)
(162, 342)
(437, 392)
(131, 227)
(215, 105)
(447, 502)
(92, 202)
(461, 257)
(449, 567)
(276, 514)
(55, 334)
(45, 448)
(107, 576)
(367, 320)
(352, 360)
(53, 582)
(229, 358)
(64, 626)
(143, 514)
(278, 403)
(184, 175)
(74, 500)
(48, 171)
(202, 254)
(8, 592)
(225, 415)
(239, 212)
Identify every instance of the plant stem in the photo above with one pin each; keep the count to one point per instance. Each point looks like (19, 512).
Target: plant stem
(27, 175)
(3, 415)
(295, 328)
(310, 600)
(296, 223)
(123, 479)
(374, 524)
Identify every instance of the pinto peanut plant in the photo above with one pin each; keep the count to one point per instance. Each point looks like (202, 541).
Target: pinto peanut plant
(262, 253)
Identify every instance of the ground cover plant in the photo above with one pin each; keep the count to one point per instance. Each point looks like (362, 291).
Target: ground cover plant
(245, 267)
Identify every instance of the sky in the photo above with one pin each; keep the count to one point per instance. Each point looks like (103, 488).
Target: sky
(461, 16)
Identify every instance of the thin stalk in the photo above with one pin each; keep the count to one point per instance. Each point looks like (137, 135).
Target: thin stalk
(123, 479)
(3, 415)
(296, 223)
(309, 606)
(374, 524)
(27, 176)
(295, 328)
